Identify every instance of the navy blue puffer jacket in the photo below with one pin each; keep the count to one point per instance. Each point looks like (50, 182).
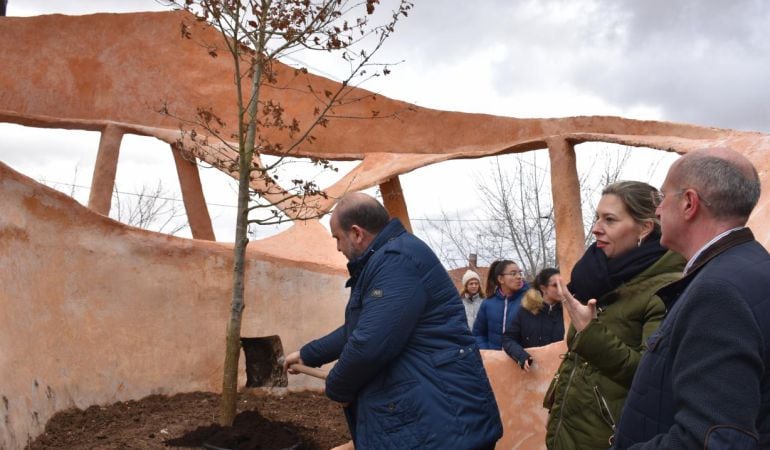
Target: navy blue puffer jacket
(407, 364)
(533, 330)
(495, 317)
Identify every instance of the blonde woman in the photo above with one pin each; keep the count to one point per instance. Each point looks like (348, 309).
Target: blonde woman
(613, 308)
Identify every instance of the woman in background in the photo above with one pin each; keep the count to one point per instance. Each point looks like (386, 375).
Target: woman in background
(472, 296)
(539, 321)
(497, 311)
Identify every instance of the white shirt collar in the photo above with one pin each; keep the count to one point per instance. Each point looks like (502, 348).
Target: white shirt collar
(708, 244)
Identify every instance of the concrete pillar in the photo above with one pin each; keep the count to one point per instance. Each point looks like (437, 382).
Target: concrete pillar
(568, 214)
(192, 193)
(393, 199)
(103, 181)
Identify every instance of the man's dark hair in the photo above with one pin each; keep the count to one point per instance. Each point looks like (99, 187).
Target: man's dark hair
(361, 210)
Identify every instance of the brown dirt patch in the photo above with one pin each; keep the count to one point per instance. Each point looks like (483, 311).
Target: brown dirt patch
(265, 421)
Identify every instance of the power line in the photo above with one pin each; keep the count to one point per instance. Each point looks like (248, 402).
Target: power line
(172, 199)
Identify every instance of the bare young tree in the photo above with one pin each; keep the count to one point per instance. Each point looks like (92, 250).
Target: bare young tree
(257, 34)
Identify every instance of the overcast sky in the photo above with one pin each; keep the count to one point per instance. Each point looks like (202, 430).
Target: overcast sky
(704, 62)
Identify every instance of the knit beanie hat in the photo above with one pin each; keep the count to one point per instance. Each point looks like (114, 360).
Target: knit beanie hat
(470, 275)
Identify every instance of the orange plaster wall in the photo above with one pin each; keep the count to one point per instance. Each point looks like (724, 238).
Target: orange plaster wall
(93, 311)
(520, 394)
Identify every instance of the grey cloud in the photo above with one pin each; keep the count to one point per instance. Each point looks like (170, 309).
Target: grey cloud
(699, 62)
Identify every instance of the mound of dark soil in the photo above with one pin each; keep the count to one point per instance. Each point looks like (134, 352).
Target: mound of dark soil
(299, 420)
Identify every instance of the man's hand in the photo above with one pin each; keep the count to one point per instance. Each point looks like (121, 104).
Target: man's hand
(580, 315)
(290, 360)
(527, 364)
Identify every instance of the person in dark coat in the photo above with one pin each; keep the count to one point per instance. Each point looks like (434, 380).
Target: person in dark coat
(704, 382)
(409, 373)
(497, 312)
(539, 321)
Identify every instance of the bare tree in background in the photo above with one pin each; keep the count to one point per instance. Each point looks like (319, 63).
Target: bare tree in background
(257, 34)
(516, 218)
(151, 208)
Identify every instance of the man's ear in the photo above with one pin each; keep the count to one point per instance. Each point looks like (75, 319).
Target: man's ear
(358, 233)
(690, 204)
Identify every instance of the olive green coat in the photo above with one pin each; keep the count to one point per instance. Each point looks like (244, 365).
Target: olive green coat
(587, 393)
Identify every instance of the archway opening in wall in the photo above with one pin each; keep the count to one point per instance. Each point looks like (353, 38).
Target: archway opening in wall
(61, 159)
(287, 172)
(601, 163)
(502, 207)
(147, 193)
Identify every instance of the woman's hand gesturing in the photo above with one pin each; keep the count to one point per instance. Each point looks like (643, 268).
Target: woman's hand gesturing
(580, 315)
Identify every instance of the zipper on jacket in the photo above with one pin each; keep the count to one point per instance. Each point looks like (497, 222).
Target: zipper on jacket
(604, 411)
(505, 313)
(564, 400)
(604, 408)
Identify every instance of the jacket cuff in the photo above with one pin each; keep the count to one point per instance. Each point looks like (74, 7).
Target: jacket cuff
(307, 357)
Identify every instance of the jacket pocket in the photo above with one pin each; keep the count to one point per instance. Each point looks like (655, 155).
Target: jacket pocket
(395, 412)
(550, 394)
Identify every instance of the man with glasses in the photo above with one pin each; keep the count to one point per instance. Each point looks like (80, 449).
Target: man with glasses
(704, 381)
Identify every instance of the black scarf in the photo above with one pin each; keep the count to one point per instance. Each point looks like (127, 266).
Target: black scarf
(594, 275)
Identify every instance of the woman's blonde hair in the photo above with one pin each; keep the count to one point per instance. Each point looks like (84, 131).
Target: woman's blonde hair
(637, 198)
(533, 299)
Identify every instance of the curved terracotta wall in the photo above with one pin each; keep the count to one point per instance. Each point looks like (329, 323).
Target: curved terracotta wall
(93, 311)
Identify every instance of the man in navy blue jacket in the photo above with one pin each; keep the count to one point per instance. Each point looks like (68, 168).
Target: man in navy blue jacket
(408, 371)
(704, 381)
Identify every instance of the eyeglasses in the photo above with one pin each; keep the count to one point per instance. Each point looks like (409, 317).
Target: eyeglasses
(658, 197)
(514, 273)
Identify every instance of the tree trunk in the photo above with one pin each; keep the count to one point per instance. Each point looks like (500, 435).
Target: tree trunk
(246, 151)
(233, 338)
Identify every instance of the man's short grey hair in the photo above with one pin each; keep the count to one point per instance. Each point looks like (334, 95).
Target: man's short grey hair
(728, 191)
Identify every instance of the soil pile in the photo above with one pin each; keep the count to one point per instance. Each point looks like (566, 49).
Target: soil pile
(300, 420)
